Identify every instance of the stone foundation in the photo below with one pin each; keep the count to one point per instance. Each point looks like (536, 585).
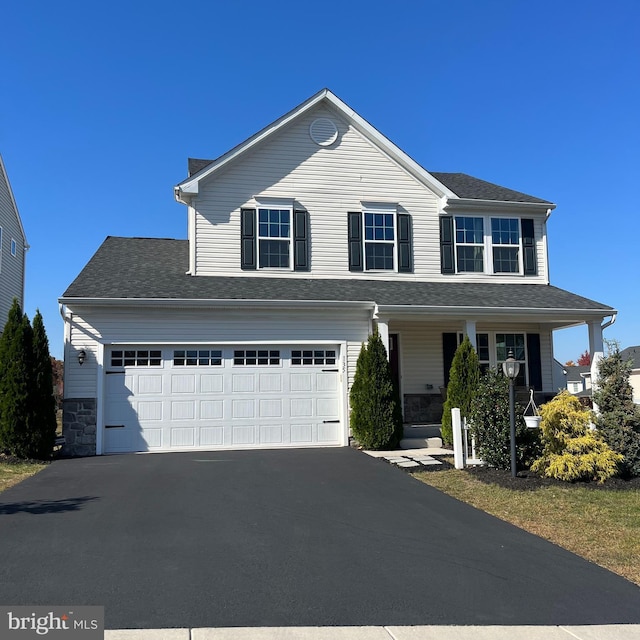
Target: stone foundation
(79, 427)
(422, 407)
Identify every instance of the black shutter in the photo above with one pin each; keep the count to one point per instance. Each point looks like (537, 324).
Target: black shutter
(248, 239)
(404, 243)
(449, 346)
(300, 241)
(447, 263)
(534, 361)
(355, 241)
(529, 248)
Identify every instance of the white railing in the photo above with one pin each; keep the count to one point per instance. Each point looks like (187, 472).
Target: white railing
(464, 444)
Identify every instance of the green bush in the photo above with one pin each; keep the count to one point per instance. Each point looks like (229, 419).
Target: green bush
(27, 407)
(618, 417)
(572, 450)
(463, 381)
(490, 424)
(376, 416)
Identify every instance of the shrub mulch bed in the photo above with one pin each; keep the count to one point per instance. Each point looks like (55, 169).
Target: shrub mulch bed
(529, 481)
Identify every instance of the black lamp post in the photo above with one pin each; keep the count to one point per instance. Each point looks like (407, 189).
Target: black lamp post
(511, 368)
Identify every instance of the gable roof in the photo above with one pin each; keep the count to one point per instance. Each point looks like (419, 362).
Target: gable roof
(575, 372)
(633, 354)
(445, 185)
(155, 269)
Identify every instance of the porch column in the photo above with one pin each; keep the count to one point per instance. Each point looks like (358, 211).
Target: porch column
(596, 350)
(383, 330)
(470, 332)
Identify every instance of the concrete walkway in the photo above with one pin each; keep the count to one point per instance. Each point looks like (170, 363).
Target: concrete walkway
(595, 632)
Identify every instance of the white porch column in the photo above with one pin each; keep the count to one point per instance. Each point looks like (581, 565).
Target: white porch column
(596, 350)
(470, 332)
(383, 330)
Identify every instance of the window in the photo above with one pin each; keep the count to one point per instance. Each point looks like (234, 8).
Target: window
(469, 244)
(197, 358)
(477, 237)
(136, 358)
(515, 342)
(313, 357)
(14, 247)
(252, 357)
(379, 241)
(274, 238)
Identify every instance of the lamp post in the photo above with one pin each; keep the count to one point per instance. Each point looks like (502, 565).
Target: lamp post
(511, 368)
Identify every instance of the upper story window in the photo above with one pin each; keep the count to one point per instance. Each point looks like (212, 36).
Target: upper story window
(274, 238)
(14, 247)
(488, 245)
(379, 241)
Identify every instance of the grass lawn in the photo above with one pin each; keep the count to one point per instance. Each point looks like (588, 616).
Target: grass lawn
(13, 472)
(601, 525)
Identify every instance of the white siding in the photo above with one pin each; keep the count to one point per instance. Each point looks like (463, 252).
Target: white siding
(11, 267)
(89, 327)
(328, 183)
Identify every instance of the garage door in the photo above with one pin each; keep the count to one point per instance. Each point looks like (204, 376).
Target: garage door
(220, 397)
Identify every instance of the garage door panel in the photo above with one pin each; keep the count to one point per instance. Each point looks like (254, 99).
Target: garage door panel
(183, 383)
(211, 383)
(149, 385)
(223, 403)
(211, 409)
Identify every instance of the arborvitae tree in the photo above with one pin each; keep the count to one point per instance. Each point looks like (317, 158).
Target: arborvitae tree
(43, 404)
(16, 382)
(463, 381)
(572, 451)
(376, 416)
(490, 424)
(618, 418)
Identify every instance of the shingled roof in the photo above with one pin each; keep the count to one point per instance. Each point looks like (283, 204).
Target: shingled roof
(153, 268)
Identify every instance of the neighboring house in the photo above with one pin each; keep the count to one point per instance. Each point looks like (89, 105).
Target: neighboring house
(578, 380)
(301, 241)
(13, 248)
(633, 354)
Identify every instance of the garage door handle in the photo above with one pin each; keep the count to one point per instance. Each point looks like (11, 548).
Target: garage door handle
(330, 370)
(329, 421)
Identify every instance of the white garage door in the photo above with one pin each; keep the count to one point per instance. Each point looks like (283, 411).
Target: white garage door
(220, 397)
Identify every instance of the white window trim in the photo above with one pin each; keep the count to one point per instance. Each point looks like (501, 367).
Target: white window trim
(284, 205)
(14, 247)
(380, 208)
(488, 246)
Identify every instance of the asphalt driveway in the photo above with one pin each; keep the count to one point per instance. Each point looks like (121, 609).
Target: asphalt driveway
(282, 538)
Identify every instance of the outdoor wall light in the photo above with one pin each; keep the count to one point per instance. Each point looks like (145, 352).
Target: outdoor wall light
(82, 354)
(511, 369)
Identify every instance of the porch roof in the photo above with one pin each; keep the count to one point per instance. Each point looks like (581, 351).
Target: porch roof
(129, 269)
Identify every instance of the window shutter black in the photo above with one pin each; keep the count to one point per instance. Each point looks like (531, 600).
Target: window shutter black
(534, 361)
(248, 239)
(355, 241)
(449, 346)
(300, 241)
(447, 263)
(404, 243)
(529, 248)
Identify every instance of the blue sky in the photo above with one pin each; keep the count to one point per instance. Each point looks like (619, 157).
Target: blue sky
(102, 103)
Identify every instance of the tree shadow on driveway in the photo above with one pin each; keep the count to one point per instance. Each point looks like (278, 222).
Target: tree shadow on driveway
(41, 507)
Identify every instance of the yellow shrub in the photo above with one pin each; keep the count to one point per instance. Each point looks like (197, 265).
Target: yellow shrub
(571, 450)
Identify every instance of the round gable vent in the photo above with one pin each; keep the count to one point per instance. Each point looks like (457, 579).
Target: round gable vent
(323, 132)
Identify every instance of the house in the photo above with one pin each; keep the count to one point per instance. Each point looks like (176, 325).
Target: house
(633, 354)
(301, 241)
(578, 379)
(13, 248)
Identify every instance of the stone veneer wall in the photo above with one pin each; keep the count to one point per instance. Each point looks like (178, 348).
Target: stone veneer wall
(79, 427)
(422, 407)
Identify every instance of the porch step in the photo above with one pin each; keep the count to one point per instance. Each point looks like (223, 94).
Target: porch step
(421, 443)
(421, 431)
